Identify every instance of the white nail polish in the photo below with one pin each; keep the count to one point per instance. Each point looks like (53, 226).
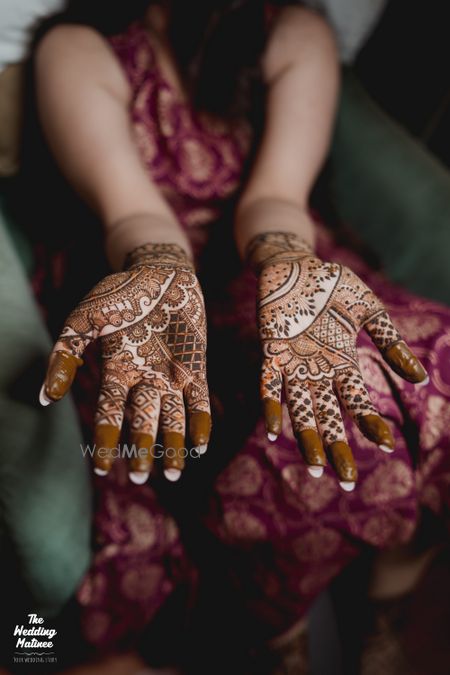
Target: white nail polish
(347, 485)
(424, 382)
(172, 474)
(272, 437)
(315, 471)
(386, 448)
(43, 398)
(100, 472)
(201, 449)
(138, 477)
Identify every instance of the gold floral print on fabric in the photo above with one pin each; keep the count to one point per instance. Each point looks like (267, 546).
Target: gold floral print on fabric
(193, 157)
(390, 480)
(244, 477)
(306, 494)
(244, 526)
(317, 544)
(437, 420)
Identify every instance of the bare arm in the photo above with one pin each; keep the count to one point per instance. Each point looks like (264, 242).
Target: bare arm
(83, 98)
(301, 70)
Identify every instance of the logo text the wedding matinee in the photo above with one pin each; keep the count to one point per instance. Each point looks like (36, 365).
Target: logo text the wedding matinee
(36, 637)
(36, 630)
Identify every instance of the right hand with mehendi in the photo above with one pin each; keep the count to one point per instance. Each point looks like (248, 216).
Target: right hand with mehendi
(310, 313)
(150, 319)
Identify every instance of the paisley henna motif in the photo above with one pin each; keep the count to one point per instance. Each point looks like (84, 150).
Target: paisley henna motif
(309, 315)
(151, 321)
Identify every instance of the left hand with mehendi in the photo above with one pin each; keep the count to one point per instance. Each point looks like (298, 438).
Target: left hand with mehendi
(150, 319)
(309, 315)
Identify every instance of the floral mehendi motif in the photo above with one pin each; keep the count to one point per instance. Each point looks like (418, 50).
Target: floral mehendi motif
(309, 315)
(151, 322)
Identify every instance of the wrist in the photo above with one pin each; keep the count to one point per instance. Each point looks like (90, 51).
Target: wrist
(172, 255)
(269, 248)
(127, 234)
(259, 216)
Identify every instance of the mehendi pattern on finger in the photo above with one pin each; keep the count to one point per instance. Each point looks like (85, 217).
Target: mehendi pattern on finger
(328, 414)
(111, 403)
(382, 331)
(144, 409)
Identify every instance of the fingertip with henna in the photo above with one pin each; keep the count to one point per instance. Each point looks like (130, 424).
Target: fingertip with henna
(60, 375)
(312, 449)
(106, 437)
(174, 450)
(405, 363)
(344, 463)
(377, 430)
(273, 416)
(200, 429)
(141, 465)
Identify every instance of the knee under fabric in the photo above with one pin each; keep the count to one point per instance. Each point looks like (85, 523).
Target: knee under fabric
(393, 192)
(45, 516)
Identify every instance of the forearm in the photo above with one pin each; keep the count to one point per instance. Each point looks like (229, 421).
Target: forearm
(271, 215)
(302, 77)
(127, 233)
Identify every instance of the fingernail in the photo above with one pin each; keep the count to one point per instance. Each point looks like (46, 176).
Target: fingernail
(311, 446)
(43, 399)
(315, 471)
(423, 383)
(100, 472)
(376, 430)
(172, 474)
(347, 485)
(61, 373)
(386, 448)
(201, 449)
(405, 363)
(273, 417)
(139, 477)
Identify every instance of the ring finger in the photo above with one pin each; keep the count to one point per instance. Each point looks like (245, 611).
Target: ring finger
(173, 426)
(331, 428)
(144, 409)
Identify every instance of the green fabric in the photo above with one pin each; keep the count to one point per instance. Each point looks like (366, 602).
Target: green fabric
(393, 193)
(20, 241)
(45, 494)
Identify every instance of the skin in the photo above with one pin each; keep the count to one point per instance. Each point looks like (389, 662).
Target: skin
(77, 71)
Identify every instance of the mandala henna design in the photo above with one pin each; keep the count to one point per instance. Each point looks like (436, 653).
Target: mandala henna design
(151, 321)
(309, 316)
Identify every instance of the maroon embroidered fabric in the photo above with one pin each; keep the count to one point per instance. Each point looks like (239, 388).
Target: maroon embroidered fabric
(293, 532)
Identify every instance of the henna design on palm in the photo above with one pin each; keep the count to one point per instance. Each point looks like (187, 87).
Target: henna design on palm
(309, 314)
(151, 322)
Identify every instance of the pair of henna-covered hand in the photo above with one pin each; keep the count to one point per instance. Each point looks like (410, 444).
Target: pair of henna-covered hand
(151, 321)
